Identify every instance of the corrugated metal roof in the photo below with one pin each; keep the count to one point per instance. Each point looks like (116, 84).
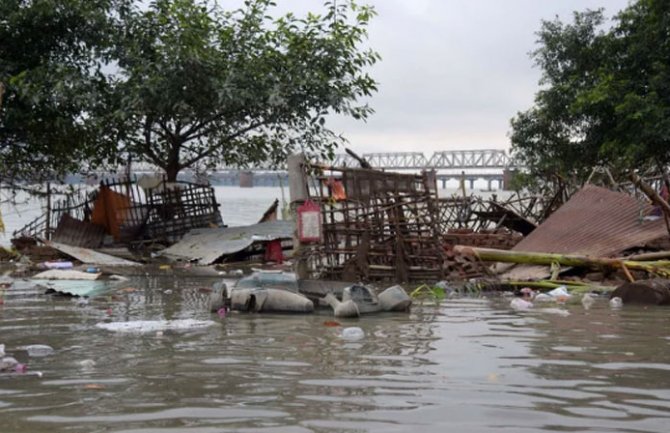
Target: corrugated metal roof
(92, 257)
(76, 287)
(207, 245)
(595, 222)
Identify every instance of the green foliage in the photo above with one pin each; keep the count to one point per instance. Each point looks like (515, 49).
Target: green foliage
(176, 83)
(51, 55)
(604, 99)
(424, 291)
(200, 85)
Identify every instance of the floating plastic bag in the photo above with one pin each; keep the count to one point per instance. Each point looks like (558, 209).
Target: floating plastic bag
(353, 333)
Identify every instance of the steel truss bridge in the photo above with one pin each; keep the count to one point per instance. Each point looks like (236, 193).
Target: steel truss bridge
(488, 165)
(487, 159)
(443, 160)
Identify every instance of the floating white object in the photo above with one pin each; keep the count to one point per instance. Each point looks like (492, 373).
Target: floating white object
(39, 350)
(86, 363)
(353, 333)
(559, 292)
(543, 297)
(556, 311)
(61, 274)
(141, 326)
(616, 302)
(519, 304)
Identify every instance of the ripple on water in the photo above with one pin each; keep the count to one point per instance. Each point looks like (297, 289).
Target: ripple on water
(465, 365)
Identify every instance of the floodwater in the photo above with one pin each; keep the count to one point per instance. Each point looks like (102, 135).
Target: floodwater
(467, 365)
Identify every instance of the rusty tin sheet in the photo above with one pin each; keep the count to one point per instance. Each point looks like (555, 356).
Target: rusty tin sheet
(595, 222)
(72, 231)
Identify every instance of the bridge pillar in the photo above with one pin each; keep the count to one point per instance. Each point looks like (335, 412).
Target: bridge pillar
(472, 183)
(246, 179)
(489, 182)
(508, 175)
(444, 183)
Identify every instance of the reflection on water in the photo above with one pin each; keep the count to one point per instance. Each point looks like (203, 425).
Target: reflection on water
(469, 365)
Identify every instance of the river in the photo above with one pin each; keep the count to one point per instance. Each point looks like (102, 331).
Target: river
(470, 364)
(467, 365)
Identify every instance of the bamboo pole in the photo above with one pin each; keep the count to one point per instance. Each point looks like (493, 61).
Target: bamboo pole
(535, 258)
(647, 257)
(653, 196)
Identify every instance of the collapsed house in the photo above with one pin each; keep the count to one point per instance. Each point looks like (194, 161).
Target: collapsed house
(375, 226)
(129, 213)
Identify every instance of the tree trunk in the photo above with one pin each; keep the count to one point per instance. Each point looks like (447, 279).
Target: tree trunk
(173, 167)
(171, 172)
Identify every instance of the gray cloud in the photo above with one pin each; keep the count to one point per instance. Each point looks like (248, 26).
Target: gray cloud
(453, 72)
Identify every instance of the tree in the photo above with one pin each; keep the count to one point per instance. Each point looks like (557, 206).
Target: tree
(605, 99)
(200, 85)
(51, 57)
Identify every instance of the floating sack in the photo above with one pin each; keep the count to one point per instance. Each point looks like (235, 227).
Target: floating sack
(269, 301)
(644, 292)
(394, 299)
(342, 309)
(365, 299)
(560, 294)
(218, 296)
(10, 364)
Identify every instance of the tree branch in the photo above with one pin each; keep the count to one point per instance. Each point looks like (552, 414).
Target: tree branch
(148, 150)
(213, 149)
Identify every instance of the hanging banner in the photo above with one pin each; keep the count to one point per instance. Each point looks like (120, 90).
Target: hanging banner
(309, 222)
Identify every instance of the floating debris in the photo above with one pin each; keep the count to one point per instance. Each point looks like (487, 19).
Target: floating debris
(39, 350)
(353, 333)
(142, 326)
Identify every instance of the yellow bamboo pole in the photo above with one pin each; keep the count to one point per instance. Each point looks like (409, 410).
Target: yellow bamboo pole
(535, 258)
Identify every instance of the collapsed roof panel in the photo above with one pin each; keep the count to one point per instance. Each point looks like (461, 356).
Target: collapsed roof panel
(207, 245)
(595, 222)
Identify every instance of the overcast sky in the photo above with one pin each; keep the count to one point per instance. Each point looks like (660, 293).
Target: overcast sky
(453, 72)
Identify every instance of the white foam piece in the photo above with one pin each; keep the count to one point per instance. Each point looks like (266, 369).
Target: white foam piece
(141, 326)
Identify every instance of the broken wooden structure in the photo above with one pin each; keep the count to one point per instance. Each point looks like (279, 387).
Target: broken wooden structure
(375, 226)
(120, 211)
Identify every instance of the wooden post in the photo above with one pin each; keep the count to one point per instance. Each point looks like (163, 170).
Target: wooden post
(653, 196)
(297, 187)
(47, 228)
(462, 185)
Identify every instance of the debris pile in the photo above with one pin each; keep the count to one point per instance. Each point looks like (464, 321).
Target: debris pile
(377, 226)
(503, 239)
(127, 213)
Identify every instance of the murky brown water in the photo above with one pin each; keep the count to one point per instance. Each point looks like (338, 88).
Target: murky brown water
(469, 365)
